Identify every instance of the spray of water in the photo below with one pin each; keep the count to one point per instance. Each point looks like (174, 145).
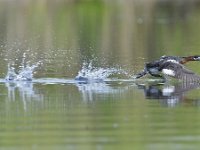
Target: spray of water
(90, 73)
(25, 72)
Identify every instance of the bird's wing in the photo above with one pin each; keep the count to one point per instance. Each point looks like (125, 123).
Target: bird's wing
(178, 71)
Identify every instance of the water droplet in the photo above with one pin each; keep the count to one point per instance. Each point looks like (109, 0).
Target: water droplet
(25, 72)
(89, 73)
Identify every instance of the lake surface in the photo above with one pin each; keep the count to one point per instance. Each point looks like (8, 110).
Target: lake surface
(53, 43)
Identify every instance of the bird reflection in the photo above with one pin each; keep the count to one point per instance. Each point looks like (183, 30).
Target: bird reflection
(170, 94)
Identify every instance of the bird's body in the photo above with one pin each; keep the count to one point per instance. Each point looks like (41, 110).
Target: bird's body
(171, 66)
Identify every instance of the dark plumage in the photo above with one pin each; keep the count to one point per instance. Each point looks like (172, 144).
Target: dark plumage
(178, 71)
(171, 66)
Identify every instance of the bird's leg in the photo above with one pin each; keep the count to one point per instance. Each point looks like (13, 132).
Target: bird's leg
(141, 74)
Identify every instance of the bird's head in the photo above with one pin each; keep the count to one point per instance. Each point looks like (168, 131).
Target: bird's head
(190, 58)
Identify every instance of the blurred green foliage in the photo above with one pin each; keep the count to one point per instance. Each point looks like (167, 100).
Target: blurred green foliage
(125, 33)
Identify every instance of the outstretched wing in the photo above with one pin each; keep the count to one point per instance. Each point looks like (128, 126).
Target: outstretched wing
(179, 71)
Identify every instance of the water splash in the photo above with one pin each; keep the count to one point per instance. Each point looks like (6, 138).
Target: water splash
(11, 74)
(89, 73)
(25, 72)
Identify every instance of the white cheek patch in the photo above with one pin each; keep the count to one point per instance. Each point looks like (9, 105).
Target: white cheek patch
(168, 72)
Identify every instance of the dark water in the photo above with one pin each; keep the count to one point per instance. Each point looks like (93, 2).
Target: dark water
(105, 42)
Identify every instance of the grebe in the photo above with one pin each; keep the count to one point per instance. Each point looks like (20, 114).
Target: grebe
(171, 66)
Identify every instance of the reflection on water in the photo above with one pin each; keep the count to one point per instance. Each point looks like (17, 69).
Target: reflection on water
(26, 90)
(91, 91)
(98, 114)
(170, 94)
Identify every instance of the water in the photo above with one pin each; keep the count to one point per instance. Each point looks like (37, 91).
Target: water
(90, 73)
(94, 110)
(67, 73)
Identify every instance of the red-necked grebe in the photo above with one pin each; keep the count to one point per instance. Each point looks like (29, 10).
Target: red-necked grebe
(171, 66)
